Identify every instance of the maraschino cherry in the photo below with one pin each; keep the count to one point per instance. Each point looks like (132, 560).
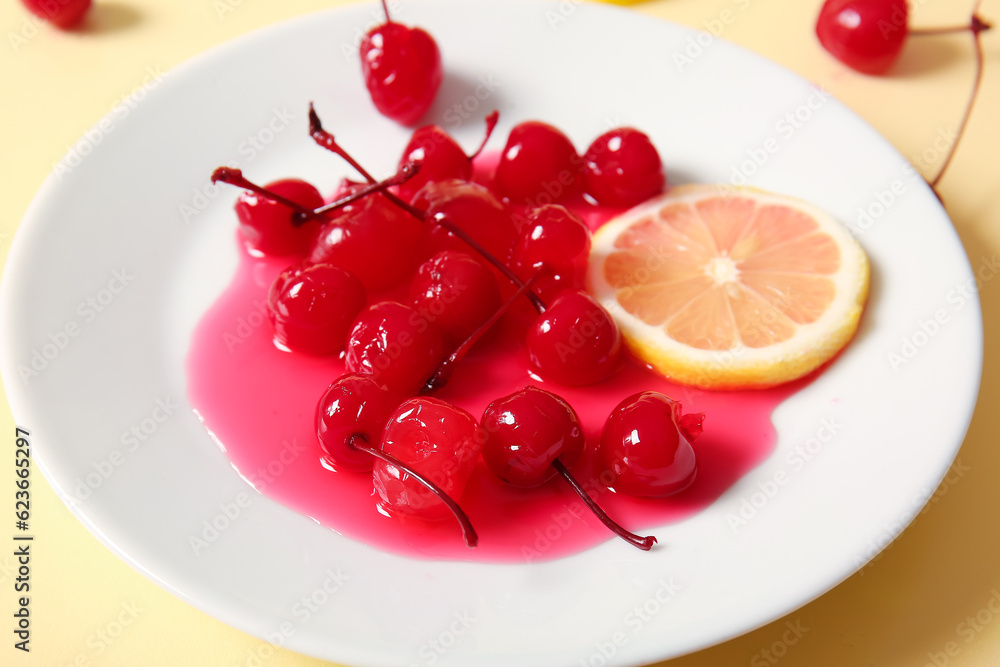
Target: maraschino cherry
(866, 35)
(372, 239)
(539, 165)
(623, 168)
(402, 69)
(442, 443)
(354, 406)
(526, 432)
(395, 345)
(575, 341)
(470, 207)
(312, 307)
(277, 219)
(60, 13)
(555, 241)
(646, 445)
(439, 157)
(456, 292)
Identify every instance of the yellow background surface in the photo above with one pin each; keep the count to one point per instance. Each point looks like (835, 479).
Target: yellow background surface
(905, 608)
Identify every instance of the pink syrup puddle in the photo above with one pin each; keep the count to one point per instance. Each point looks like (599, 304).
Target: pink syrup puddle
(260, 402)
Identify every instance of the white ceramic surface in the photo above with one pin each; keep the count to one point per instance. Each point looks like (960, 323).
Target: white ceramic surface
(138, 204)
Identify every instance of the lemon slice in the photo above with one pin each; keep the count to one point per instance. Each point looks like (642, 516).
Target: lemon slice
(730, 289)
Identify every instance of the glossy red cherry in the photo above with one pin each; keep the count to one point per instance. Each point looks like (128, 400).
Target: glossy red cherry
(437, 439)
(456, 292)
(395, 345)
(402, 70)
(353, 406)
(266, 226)
(312, 308)
(866, 35)
(646, 445)
(525, 432)
(473, 209)
(60, 13)
(439, 157)
(622, 168)
(372, 239)
(556, 241)
(539, 165)
(575, 341)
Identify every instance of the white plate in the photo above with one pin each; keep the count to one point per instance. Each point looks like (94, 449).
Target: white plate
(882, 433)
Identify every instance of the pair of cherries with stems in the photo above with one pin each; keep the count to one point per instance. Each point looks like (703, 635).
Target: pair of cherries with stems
(868, 36)
(353, 413)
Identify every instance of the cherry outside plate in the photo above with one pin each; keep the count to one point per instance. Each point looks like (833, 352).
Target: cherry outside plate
(157, 250)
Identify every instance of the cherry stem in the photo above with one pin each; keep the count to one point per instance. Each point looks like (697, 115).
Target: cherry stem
(359, 442)
(491, 124)
(930, 32)
(385, 8)
(235, 177)
(408, 171)
(976, 26)
(644, 543)
(447, 367)
(326, 140)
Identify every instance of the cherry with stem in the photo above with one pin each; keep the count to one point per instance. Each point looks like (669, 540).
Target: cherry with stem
(235, 177)
(441, 157)
(327, 141)
(976, 26)
(402, 69)
(360, 443)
